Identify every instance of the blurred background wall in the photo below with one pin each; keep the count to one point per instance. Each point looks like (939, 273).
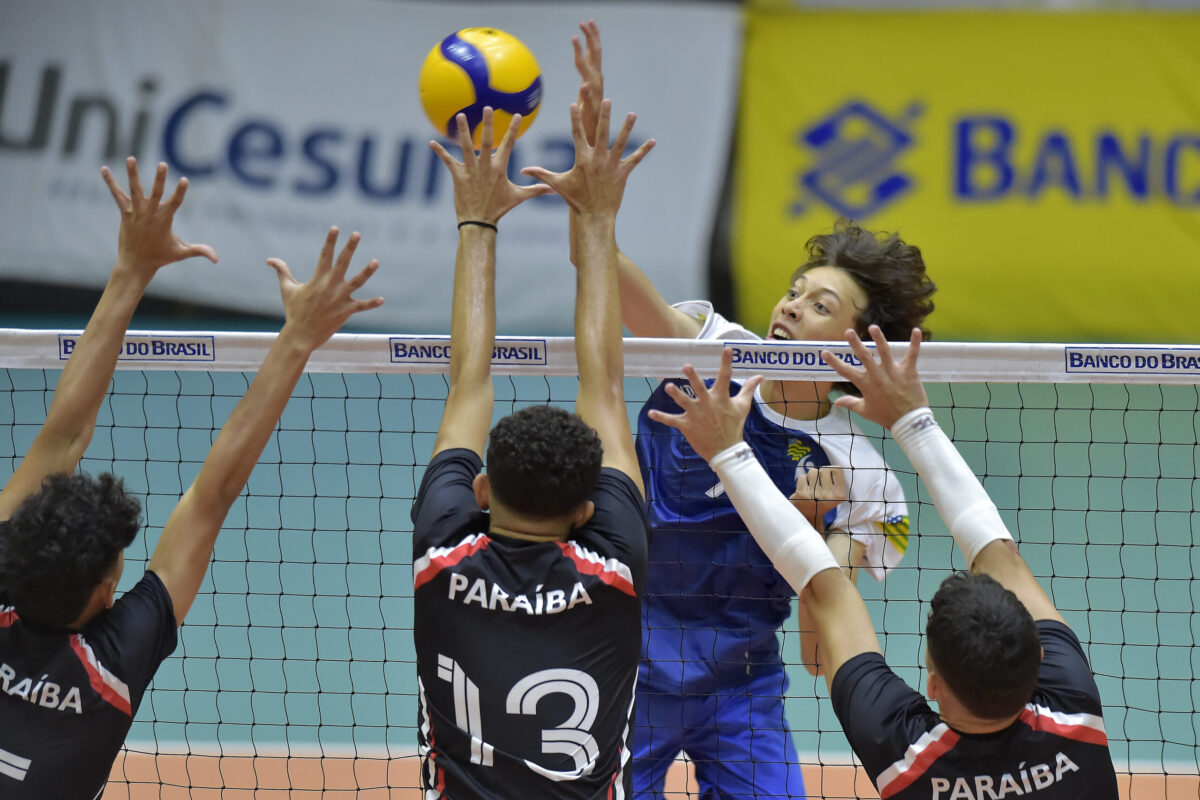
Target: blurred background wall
(1044, 156)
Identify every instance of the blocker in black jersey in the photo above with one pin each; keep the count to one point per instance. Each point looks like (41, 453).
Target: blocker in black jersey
(67, 698)
(1056, 750)
(527, 651)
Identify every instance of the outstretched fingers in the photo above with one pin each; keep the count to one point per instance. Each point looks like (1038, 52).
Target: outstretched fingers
(487, 134)
(176, 199)
(509, 140)
(465, 142)
(325, 260)
(201, 250)
(135, 183)
(635, 158)
(603, 122)
(160, 183)
(618, 147)
(123, 201)
(283, 272)
(343, 260)
(357, 282)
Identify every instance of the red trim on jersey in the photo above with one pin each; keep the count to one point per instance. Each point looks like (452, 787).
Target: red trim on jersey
(8, 616)
(101, 680)
(439, 558)
(932, 752)
(1079, 732)
(609, 570)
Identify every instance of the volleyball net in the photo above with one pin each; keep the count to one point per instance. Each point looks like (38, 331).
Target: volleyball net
(295, 673)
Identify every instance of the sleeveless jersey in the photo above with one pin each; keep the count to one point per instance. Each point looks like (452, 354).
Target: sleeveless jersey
(713, 599)
(67, 698)
(527, 652)
(1056, 750)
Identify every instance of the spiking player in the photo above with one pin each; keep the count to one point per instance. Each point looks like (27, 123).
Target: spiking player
(528, 579)
(74, 661)
(1019, 713)
(712, 680)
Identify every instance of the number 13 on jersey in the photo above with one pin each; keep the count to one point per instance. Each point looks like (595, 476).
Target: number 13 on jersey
(571, 738)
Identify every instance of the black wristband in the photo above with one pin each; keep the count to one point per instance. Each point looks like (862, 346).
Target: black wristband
(480, 223)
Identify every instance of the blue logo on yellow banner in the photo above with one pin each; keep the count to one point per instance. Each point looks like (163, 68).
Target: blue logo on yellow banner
(856, 148)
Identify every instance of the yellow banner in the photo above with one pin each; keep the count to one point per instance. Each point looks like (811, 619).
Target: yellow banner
(1047, 165)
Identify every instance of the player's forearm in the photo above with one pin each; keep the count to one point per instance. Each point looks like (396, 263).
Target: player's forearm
(645, 311)
(597, 306)
(71, 418)
(250, 425)
(788, 539)
(473, 326)
(960, 498)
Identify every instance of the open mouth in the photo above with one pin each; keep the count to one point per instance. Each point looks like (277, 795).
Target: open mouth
(778, 332)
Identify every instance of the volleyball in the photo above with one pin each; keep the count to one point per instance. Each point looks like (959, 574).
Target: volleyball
(477, 67)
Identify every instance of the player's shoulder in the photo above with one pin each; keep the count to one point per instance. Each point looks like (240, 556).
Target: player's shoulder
(713, 324)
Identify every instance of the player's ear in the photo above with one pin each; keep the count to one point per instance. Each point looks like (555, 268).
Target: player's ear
(933, 686)
(583, 514)
(483, 491)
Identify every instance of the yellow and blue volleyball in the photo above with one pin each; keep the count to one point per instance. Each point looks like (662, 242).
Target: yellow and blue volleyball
(478, 67)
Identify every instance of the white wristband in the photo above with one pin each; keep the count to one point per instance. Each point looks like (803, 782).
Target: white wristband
(789, 540)
(960, 498)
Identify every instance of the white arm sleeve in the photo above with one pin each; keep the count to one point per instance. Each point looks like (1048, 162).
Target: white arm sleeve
(960, 498)
(788, 539)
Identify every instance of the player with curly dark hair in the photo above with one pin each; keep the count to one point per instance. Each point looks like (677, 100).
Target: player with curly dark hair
(528, 578)
(712, 680)
(65, 540)
(542, 461)
(75, 660)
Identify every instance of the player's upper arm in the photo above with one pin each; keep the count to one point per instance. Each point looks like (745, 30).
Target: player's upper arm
(466, 418)
(844, 627)
(645, 312)
(1003, 562)
(48, 455)
(603, 408)
(185, 547)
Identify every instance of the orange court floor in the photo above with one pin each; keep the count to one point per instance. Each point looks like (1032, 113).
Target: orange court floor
(141, 776)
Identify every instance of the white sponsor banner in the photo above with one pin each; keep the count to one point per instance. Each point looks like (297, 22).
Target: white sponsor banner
(292, 115)
(376, 353)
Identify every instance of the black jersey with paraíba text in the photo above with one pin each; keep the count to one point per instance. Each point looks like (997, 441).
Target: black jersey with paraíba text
(67, 698)
(1056, 750)
(527, 652)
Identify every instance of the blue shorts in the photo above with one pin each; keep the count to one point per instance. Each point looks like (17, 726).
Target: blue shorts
(738, 740)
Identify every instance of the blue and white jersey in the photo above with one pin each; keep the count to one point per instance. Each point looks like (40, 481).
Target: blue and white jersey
(713, 600)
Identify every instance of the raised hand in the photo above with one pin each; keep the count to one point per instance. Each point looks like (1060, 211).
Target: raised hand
(596, 183)
(818, 491)
(482, 190)
(711, 420)
(147, 241)
(591, 90)
(890, 389)
(316, 309)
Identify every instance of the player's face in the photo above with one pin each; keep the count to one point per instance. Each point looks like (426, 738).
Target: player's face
(820, 305)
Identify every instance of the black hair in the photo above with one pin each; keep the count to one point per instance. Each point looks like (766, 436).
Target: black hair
(984, 644)
(890, 271)
(63, 540)
(543, 462)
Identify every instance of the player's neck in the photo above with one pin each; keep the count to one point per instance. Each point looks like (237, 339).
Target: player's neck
(965, 722)
(797, 399)
(529, 531)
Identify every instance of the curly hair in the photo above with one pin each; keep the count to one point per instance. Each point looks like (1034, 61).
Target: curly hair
(890, 272)
(62, 542)
(543, 462)
(984, 644)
